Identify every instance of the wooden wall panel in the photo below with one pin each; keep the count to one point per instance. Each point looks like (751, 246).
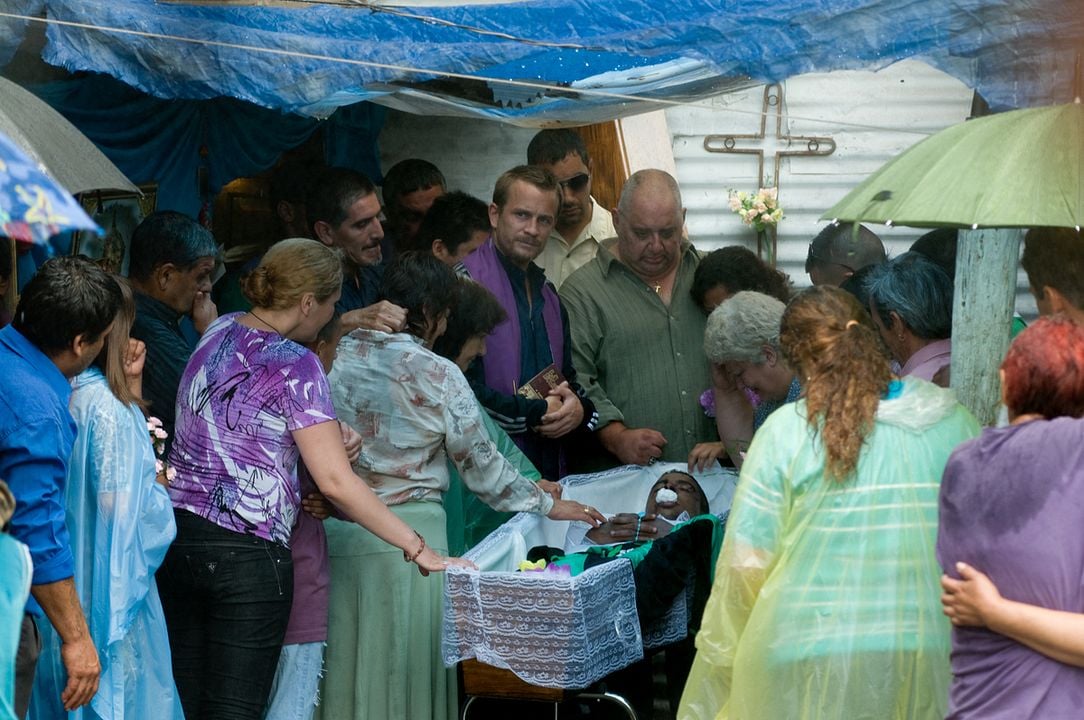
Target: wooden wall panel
(610, 167)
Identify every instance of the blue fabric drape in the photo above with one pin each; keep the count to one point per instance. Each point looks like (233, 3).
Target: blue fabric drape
(155, 140)
(1016, 53)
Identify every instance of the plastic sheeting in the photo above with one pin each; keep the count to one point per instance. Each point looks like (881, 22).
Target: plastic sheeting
(121, 524)
(1016, 54)
(826, 603)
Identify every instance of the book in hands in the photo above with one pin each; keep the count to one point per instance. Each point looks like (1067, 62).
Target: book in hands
(540, 386)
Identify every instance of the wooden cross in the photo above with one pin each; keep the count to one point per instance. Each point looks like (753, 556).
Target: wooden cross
(778, 145)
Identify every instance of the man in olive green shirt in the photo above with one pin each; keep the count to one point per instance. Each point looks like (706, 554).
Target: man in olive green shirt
(637, 334)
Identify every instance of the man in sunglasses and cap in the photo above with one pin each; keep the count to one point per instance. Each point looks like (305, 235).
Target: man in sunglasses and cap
(582, 224)
(838, 252)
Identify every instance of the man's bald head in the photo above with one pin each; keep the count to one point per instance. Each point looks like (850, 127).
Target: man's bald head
(840, 250)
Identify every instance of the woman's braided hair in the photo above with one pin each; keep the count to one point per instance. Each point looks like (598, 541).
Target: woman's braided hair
(832, 343)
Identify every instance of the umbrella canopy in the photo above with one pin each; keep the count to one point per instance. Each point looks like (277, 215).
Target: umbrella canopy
(55, 144)
(1017, 169)
(33, 207)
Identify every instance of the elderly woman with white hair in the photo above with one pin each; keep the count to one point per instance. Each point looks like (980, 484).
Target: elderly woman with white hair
(750, 377)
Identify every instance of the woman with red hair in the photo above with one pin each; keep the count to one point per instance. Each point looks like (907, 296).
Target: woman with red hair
(1011, 503)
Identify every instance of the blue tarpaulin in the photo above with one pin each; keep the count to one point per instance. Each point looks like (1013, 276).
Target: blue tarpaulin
(310, 58)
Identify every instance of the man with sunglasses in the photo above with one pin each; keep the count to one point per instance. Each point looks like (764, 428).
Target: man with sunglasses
(582, 224)
(838, 252)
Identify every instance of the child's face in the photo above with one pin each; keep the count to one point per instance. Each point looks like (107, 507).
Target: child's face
(327, 350)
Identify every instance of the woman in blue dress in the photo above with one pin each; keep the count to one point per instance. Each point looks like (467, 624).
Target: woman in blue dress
(121, 524)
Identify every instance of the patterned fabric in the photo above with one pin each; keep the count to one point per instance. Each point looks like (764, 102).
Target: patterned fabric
(469, 519)
(763, 409)
(242, 395)
(122, 524)
(826, 601)
(415, 411)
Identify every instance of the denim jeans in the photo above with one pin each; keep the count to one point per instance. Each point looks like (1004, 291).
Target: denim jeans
(226, 598)
(296, 690)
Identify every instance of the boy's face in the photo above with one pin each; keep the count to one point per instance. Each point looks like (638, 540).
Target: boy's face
(327, 351)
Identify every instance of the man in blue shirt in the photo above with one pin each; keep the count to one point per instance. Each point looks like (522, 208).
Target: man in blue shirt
(60, 325)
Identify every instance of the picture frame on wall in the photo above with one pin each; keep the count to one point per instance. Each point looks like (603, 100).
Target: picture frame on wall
(118, 214)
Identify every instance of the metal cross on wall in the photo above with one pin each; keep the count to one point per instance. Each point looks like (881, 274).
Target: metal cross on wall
(779, 146)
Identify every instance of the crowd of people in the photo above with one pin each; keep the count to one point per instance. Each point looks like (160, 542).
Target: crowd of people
(234, 509)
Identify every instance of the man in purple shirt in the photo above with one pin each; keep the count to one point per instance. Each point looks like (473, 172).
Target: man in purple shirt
(60, 325)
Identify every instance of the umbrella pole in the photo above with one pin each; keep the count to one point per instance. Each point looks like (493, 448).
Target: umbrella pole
(985, 294)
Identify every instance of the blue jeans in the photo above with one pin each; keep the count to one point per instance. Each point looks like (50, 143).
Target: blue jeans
(296, 690)
(226, 598)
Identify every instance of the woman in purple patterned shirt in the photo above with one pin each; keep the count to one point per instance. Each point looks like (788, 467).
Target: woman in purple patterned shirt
(251, 401)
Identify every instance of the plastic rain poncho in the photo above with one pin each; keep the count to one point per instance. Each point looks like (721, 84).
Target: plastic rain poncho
(121, 524)
(826, 601)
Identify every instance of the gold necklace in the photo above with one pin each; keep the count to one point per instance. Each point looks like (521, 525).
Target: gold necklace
(253, 314)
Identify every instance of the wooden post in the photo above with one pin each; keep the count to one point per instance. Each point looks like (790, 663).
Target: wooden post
(986, 262)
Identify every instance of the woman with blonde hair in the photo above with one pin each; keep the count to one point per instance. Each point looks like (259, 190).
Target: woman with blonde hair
(826, 597)
(251, 401)
(121, 525)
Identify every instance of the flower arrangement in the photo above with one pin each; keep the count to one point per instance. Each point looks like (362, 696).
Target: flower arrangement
(158, 440)
(760, 210)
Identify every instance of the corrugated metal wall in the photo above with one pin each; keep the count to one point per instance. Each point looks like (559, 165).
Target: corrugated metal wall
(872, 117)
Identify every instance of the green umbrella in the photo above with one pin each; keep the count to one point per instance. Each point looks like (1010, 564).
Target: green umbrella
(1015, 169)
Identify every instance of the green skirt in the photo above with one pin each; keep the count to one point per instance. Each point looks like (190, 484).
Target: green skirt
(383, 659)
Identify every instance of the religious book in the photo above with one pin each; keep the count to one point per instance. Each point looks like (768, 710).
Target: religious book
(538, 387)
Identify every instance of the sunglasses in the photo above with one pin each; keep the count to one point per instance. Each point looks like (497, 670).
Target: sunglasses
(576, 183)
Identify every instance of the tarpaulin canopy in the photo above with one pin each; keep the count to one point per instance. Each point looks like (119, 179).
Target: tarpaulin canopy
(544, 61)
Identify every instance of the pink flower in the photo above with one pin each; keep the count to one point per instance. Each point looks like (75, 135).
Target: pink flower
(735, 203)
(160, 433)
